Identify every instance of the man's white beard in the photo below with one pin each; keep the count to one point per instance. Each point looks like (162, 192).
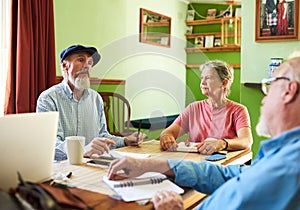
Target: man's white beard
(82, 83)
(262, 128)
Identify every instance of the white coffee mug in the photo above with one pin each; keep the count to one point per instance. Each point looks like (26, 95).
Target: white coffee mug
(75, 149)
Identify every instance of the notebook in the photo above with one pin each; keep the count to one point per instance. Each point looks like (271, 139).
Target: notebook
(27, 145)
(142, 187)
(183, 148)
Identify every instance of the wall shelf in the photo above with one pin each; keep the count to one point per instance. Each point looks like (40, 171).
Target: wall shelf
(252, 85)
(214, 49)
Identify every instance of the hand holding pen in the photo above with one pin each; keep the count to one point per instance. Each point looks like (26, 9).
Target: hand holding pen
(135, 138)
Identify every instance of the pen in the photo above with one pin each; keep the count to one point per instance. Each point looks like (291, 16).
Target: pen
(139, 130)
(141, 182)
(69, 175)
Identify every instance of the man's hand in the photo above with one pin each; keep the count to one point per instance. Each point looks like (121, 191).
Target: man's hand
(166, 200)
(135, 139)
(98, 146)
(125, 168)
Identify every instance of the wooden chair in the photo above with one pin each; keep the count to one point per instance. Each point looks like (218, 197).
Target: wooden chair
(117, 112)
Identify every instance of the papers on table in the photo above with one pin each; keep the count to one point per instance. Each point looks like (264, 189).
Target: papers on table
(103, 161)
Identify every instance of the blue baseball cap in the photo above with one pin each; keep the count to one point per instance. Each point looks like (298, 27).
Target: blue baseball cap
(79, 48)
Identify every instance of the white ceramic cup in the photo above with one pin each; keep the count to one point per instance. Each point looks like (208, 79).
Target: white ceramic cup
(75, 149)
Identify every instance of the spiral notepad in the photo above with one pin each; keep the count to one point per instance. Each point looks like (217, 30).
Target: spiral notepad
(142, 187)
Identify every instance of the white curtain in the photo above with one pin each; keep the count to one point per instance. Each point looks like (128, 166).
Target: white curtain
(4, 43)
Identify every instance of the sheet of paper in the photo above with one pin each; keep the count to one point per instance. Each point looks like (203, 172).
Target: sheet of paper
(119, 154)
(141, 192)
(183, 148)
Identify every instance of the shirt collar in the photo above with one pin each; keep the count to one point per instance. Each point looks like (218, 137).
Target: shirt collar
(280, 141)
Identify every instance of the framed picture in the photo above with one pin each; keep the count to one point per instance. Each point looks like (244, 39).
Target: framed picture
(276, 21)
(190, 15)
(199, 41)
(189, 29)
(217, 42)
(211, 13)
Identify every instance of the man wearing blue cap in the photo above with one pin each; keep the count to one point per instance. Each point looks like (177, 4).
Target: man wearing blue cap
(81, 111)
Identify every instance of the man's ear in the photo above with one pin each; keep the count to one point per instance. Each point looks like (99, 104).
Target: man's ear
(291, 92)
(65, 65)
(225, 82)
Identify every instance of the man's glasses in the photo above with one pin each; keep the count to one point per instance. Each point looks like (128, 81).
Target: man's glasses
(265, 83)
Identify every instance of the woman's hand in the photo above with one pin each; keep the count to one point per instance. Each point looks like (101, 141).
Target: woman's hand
(210, 146)
(168, 142)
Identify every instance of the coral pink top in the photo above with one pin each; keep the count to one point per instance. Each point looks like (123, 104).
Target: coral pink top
(203, 121)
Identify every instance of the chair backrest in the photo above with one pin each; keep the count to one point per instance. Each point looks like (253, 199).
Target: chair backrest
(117, 113)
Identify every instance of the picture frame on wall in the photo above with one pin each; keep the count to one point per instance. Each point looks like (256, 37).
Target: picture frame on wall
(217, 42)
(272, 25)
(189, 29)
(211, 14)
(199, 41)
(190, 15)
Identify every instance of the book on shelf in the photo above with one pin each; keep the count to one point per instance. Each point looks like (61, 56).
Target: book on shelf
(209, 41)
(199, 41)
(190, 15)
(238, 12)
(142, 187)
(211, 13)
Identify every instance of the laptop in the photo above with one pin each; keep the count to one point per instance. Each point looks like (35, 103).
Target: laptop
(27, 145)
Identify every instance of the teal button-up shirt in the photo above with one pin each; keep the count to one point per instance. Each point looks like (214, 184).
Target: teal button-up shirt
(271, 182)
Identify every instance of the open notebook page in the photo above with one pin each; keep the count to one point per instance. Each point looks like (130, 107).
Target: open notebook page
(141, 192)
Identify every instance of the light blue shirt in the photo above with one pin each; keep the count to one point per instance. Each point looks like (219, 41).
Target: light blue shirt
(84, 117)
(271, 182)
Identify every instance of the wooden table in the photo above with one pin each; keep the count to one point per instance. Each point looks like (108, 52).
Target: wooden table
(89, 185)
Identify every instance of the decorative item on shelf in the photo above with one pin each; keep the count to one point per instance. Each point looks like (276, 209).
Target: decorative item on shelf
(211, 13)
(199, 41)
(164, 40)
(190, 15)
(224, 13)
(275, 62)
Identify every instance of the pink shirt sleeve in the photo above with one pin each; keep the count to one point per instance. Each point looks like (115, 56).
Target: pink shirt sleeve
(202, 121)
